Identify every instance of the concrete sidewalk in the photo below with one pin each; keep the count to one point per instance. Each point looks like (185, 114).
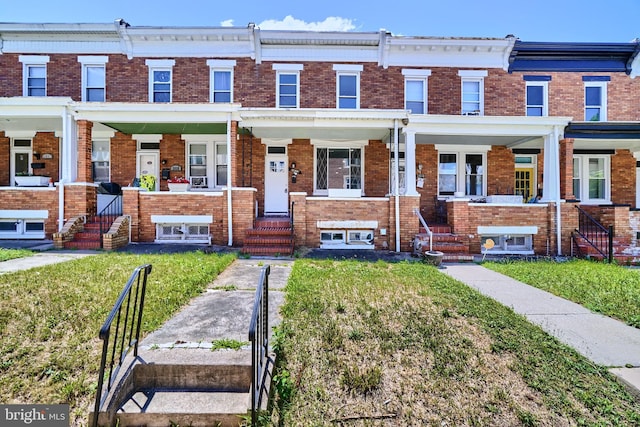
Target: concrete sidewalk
(40, 259)
(602, 340)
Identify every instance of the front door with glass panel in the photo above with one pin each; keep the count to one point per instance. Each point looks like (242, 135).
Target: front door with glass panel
(20, 164)
(148, 164)
(276, 189)
(524, 183)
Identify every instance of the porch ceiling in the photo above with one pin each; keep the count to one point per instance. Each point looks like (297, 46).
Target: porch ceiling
(170, 128)
(41, 124)
(509, 141)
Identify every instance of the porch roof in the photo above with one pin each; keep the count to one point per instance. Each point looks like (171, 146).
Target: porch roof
(321, 123)
(511, 131)
(32, 114)
(604, 135)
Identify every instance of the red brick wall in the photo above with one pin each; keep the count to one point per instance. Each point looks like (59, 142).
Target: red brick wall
(123, 159)
(47, 143)
(84, 151)
(566, 169)
(500, 170)
(11, 75)
(79, 200)
(301, 152)
(127, 79)
(34, 199)
(428, 157)
(172, 149)
(5, 150)
(623, 178)
(376, 168)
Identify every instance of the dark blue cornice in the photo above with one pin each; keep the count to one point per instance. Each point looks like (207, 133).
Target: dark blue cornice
(603, 130)
(576, 57)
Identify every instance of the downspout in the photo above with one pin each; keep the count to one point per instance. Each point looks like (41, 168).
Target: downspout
(65, 135)
(396, 175)
(558, 210)
(229, 186)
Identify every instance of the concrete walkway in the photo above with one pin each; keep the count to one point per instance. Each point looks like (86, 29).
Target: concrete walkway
(40, 259)
(599, 338)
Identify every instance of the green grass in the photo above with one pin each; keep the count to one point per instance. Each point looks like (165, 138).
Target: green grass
(7, 254)
(50, 318)
(402, 344)
(604, 288)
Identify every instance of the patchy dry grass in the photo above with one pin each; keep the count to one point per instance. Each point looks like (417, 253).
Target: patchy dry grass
(381, 344)
(50, 318)
(7, 254)
(604, 288)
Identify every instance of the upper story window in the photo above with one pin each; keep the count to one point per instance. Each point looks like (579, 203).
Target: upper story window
(537, 102)
(415, 90)
(287, 85)
(221, 76)
(348, 85)
(595, 98)
(160, 79)
(472, 92)
(34, 75)
(93, 78)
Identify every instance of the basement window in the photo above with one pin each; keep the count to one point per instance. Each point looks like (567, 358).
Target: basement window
(182, 232)
(346, 239)
(509, 244)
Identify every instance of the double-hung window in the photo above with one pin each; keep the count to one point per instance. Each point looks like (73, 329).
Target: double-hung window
(463, 173)
(34, 72)
(591, 178)
(160, 79)
(537, 89)
(93, 78)
(472, 92)
(348, 85)
(206, 161)
(339, 167)
(221, 76)
(415, 90)
(595, 98)
(100, 160)
(287, 85)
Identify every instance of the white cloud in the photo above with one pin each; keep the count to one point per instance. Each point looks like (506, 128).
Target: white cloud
(227, 23)
(332, 23)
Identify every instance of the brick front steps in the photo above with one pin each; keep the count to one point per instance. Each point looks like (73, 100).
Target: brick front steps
(454, 247)
(269, 237)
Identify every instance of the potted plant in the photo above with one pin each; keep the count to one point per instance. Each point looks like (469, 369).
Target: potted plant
(178, 183)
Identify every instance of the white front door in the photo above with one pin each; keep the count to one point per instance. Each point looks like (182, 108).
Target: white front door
(148, 164)
(276, 190)
(637, 187)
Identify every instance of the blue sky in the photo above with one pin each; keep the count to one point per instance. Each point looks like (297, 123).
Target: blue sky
(534, 20)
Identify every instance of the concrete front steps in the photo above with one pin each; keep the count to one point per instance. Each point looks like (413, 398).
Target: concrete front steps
(271, 236)
(454, 247)
(182, 386)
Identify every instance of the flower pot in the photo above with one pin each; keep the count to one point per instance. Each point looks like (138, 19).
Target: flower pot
(178, 186)
(433, 257)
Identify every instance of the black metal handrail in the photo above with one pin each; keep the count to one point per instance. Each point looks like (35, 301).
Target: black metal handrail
(127, 314)
(259, 338)
(596, 234)
(108, 215)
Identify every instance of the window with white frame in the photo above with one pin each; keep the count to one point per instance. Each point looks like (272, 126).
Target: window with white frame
(537, 98)
(472, 92)
(207, 162)
(460, 172)
(347, 85)
(100, 160)
(338, 168)
(182, 232)
(287, 85)
(415, 90)
(402, 186)
(160, 80)
(595, 98)
(93, 78)
(34, 75)
(221, 76)
(591, 178)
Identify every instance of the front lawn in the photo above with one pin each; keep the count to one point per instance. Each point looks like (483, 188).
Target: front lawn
(7, 254)
(50, 318)
(604, 288)
(402, 344)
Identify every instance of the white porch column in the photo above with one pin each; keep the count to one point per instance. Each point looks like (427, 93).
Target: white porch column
(69, 148)
(551, 171)
(410, 162)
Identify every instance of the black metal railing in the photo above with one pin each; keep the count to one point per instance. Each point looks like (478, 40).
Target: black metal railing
(120, 338)
(108, 215)
(596, 234)
(293, 234)
(259, 338)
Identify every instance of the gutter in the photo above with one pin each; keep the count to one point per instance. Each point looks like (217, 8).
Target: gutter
(396, 187)
(229, 186)
(558, 210)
